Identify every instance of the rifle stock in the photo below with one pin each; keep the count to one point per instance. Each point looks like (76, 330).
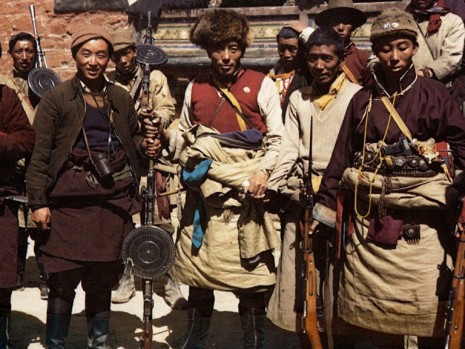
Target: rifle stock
(456, 306)
(310, 317)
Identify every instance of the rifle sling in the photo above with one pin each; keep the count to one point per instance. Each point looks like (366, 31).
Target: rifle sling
(241, 119)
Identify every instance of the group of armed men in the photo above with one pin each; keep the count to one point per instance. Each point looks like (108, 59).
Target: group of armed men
(381, 139)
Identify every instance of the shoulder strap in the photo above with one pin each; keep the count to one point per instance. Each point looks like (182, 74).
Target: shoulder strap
(395, 115)
(136, 88)
(241, 119)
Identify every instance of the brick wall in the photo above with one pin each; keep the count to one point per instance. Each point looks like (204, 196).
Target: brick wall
(55, 30)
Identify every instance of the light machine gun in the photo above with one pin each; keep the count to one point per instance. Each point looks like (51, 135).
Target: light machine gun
(148, 251)
(312, 317)
(40, 79)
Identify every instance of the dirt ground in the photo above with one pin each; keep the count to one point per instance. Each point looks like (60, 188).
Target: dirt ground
(29, 314)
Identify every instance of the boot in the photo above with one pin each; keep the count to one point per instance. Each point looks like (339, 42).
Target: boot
(126, 289)
(43, 290)
(253, 323)
(173, 296)
(197, 330)
(58, 319)
(98, 329)
(5, 329)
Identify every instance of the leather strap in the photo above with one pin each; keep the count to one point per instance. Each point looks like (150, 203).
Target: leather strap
(349, 74)
(395, 115)
(241, 119)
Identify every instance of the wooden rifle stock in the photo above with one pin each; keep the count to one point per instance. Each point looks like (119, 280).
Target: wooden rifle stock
(310, 318)
(456, 306)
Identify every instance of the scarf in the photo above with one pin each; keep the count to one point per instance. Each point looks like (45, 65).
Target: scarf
(325, 100)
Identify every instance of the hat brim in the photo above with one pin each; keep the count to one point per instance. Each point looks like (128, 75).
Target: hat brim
(325, 18)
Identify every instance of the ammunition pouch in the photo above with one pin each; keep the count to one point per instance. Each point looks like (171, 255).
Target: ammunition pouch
(398, 165)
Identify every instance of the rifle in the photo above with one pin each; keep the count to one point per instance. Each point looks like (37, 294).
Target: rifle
(312, 317)
(456, 303)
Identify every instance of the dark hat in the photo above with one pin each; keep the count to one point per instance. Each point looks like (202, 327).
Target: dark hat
(89, 32)
(340, 8)
(393, 21)
(220, 25)
(123, 38)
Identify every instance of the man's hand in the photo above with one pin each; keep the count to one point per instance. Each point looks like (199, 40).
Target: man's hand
(151, 123)
(257, 185)
(152, 147)
(41, 217)
(297, 26)
(313, 227)
(154, 133)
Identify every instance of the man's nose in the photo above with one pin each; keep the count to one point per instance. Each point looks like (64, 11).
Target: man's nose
(226, 56)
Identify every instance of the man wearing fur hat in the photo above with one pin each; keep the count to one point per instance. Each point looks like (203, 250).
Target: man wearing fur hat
(82, 186)
(232, 125)
(441, 36)
(344, 18)
(397, 242)
(129, 74)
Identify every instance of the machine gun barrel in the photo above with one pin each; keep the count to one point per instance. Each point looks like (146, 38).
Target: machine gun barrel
(41, 61)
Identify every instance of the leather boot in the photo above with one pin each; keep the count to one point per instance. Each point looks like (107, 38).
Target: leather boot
(197, 330)
(253, 323)
(98, 329)
(5, 329)
(173, 296)
(126, 289)
(58, 319)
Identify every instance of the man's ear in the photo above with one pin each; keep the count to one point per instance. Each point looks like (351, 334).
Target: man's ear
(415, 49)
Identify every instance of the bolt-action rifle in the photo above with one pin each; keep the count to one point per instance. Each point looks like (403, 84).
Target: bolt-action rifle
(312, 317)
(456, 304)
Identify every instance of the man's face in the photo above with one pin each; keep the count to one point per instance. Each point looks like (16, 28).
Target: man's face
(24, 56)
(226, 57)
(92, 59)
(323, 64)
(395, 55)
(125, 60)
(423, 4)
(342, 25)
(288, 50)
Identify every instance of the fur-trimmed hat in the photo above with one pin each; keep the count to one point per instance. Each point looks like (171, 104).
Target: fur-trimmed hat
(340, 8)
(220, 25)
(394, 22)
(123, 38)
(89, 32)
